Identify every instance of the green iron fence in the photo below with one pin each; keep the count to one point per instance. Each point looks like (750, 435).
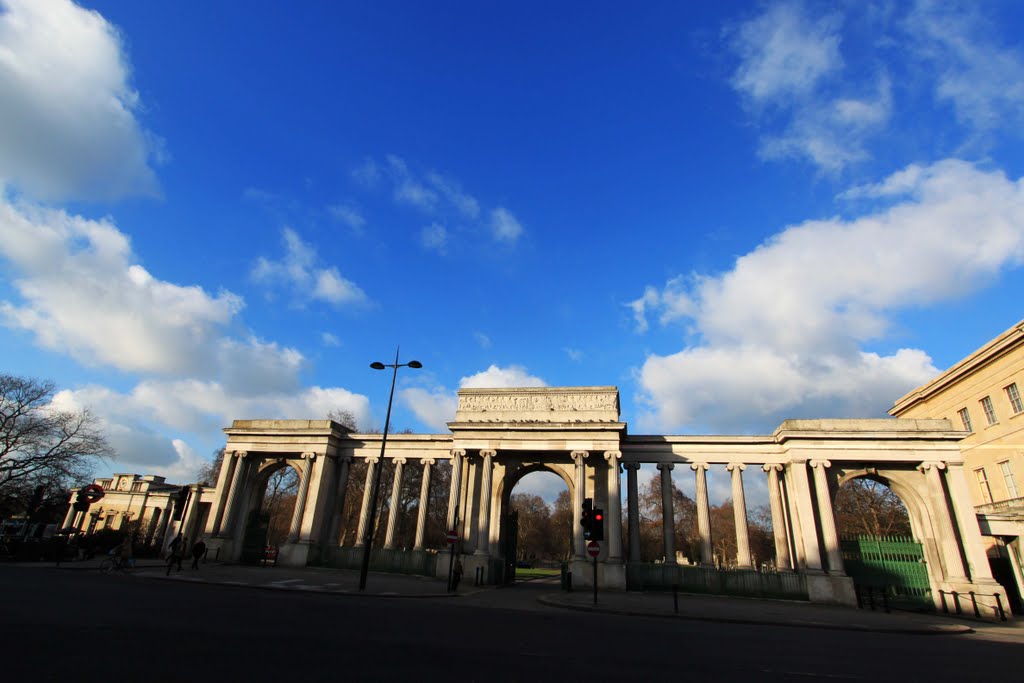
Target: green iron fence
(894, 565)
(694, 579)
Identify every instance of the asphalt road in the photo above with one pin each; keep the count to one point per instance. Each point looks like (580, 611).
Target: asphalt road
(59, 624)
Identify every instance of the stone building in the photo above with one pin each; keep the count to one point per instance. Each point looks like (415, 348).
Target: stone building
(982, 396)
(147, 501)
(500, 435)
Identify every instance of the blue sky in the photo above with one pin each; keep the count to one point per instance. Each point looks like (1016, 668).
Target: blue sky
(737, 213)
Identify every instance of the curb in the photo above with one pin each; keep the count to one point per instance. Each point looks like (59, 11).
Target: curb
(952, 629)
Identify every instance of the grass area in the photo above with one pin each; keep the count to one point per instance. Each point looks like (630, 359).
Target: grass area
(527, 574)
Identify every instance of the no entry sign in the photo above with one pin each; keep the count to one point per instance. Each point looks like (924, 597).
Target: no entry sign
(452, 537)
(593, 549)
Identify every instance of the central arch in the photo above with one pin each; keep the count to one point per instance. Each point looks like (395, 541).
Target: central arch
(508, 536)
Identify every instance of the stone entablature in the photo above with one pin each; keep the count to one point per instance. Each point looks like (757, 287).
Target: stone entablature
(544, 404)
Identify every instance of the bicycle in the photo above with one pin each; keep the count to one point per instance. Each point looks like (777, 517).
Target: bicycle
(116, 565)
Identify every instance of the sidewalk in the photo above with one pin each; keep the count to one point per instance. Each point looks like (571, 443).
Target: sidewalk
(546, 594)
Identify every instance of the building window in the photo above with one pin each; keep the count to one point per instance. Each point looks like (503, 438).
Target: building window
(990, 412)
(1014, 396)
(986, 492)
(1011, 485)
(965, 417)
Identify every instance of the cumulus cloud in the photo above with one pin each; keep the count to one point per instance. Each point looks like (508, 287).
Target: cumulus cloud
(783, 330)
(83, 294)
(436, 407)
(350, 216)
(68, 127)
(298, 271)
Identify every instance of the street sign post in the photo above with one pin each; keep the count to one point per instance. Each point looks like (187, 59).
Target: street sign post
(453, 538)
(594, 549)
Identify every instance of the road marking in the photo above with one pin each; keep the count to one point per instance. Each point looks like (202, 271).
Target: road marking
(284, 581)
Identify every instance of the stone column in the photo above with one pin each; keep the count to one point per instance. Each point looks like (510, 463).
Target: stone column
(421, 517)
(782, 560)
(69, 517)
(396, 492)
(191, 515)
(235, 494)
(483, 546)
(668, 512)
(943, 521)
(970, 532)
(580, 481)
(165, 521)
(344, 465)
(633, 510)
(614, 526)
(739, 510)
(300, 500)
(808, 528)
(828, 520)
(707, 553)
(454, 488)
(154, 520)
(224, 477)
(364, 512)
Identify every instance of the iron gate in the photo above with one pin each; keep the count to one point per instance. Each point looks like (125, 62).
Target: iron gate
(893, 565)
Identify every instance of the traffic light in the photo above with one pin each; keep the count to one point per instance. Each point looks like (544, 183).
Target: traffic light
(597, 525)
(587, 518)
(81, 502)
(180, 499)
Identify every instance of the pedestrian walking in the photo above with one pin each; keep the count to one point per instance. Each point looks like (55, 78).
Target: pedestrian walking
(198, 550)
(177, 548)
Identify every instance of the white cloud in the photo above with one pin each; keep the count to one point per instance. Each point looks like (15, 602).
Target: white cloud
(408, 189)
(328, 339)
(789, 68)
(83, 295)
(482, 339)
(465, 204)
(495, 377)
(434, 408)
(435, 238)
(784, 52)
(67, 125)
(781, 333)
(981, 80)
(350, 216)
(297, 270)
(575, 355)
(504, 225)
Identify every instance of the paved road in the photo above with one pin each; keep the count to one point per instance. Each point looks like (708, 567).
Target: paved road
(57, 622)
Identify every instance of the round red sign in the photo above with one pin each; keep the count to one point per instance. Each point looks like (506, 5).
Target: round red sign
(452, 536)
(593, 549)
(93, 492)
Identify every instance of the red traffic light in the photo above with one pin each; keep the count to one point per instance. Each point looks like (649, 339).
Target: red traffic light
(598, 516)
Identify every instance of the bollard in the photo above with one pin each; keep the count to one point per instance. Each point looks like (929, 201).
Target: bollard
(568, 582)
(999, 608)
(885, 599)
(675, 597)
(974, 601)
(942, 596)
(871, 597)
(956, 602)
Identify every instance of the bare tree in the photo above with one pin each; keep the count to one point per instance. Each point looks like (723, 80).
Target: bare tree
(209, 472)
(866, 506)
(41, 445)
(343, 417)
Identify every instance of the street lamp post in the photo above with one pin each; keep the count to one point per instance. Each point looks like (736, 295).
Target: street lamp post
(372, 512)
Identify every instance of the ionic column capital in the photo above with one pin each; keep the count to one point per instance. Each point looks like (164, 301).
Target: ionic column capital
(488, 453)
(457, 453)
(343, 458)
(373, 459)
(579, 456)
(736, 466)
(927, 465)
(666, 466)
(631, 465)
(695, 466)
(398, 461)
(823, 464)
(772, 467)
(428, 461)
(309, 456)
(241, 454)
(613, 456)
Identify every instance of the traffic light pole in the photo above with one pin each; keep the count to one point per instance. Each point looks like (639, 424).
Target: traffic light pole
(595, 580)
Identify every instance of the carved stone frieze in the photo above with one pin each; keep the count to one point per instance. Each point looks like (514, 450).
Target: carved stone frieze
(545, 404)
